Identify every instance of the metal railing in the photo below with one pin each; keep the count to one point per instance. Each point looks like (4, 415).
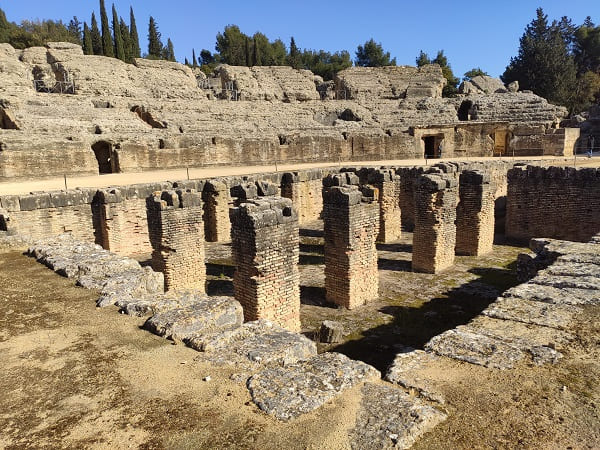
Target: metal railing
(58, 87)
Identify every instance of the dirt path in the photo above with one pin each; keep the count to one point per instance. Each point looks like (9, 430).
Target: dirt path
(98, 181)
(74, 376)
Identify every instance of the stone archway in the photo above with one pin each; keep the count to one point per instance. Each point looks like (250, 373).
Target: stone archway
(107, 159)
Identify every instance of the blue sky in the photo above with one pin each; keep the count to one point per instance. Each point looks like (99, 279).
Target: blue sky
(484, 34)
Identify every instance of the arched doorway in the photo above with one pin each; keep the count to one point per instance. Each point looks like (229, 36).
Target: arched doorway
(106, 157)
(464, 110)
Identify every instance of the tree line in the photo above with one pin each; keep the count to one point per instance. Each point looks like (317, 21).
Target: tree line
(559, 61)
(112, 38)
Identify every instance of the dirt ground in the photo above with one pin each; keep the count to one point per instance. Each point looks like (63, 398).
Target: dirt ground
(74, 376)
(119, 179)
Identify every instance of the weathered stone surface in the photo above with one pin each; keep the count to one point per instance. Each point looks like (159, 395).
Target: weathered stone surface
(390, 418)
(465, 345)
(550, 294)
(200, 315)
(331, 332)
(260, 342)
(532, 312)
(299, 388)
(404, 371)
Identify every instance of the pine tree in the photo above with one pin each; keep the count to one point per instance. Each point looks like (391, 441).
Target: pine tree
(544, 64)
(194, 60)
(88, 48)
(294, 58)
(450, 90)
(423, 59)
(96, 37)
(372, 55)
(155, 46)
(4, 27)
(74, 28)
(127, 44)
(136, 51)
(107, 41)
(119, 47)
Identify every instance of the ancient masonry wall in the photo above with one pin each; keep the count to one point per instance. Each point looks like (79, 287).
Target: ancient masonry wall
(351, 225)
(304, 189)
(434, 235)
(50, 213)
(265, 250)
(475, 214)
(388, 185)
(176, 232)
(406, 198)
(553, 202)
(120, 223)
(217, 201)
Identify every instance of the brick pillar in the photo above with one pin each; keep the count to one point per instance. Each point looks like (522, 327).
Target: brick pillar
(475, 214)
(408, 178)
(265, 250)
(434, 235)
(177, 236)
(386, 182)
(351, 225)
(215, 196)
(304, 189)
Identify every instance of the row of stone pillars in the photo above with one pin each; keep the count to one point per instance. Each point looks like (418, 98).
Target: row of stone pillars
(265, 237)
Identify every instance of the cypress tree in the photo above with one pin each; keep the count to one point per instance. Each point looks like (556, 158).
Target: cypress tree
(88, 48)
(194, 60)
(294, 58)
(107, 42)
(247, 50)
(170, 51)
(127, 47)
(136, 51)
(119, 47)
(256, 53)
(186, 62)
(155, 46)
(96, 37)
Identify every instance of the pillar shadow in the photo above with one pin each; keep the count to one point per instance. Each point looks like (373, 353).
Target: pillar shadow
(397, 265)
(311, 260)
(398, 248)
(217, 270)
(310, 232)
(312, 248)
(315, 296)
(414, 326)
(219, 287)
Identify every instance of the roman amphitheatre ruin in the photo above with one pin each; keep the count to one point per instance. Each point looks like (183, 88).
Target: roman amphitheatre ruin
(261, 259)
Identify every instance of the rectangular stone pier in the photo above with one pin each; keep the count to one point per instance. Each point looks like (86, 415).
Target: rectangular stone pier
(265, 250)
(215, 195)
(177, 236)
(387, 183)
(434, 235)
(351, 225)
(304, 189)
(475, 214)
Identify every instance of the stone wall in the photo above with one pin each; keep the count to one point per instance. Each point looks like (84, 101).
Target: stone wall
(553, 202)
(120, 220)
(304, 189)
(351, 225)
(217, 201)
(475, 214)
(434, 237)
(265, 250)
(177, 235)
(387, 184)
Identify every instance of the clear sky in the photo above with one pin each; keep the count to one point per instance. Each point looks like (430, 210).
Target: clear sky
(484, 33)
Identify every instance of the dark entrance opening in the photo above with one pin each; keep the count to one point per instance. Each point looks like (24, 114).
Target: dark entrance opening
(107, 161)
(430, 150)
(463, 110)
(6, 122)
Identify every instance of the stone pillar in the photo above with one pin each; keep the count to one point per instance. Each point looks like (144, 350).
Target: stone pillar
(265, 250)
(304, 189)
(408, 178)
(351, 225)
(215, 196)
(386, 182)
(177, 236)
(475, 214)
(434, 235)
